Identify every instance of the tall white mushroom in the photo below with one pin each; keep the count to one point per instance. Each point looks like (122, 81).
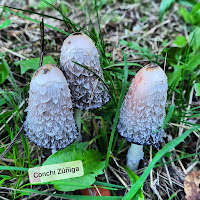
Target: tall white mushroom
(49, 122)
(143, 112)
(88, 92)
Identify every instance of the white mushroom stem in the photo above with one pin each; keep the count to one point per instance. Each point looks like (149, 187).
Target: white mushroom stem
(134, 155)
(77, 117)
(53, 151)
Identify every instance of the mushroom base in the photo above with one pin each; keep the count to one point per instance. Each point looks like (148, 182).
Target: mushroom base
(134, 155)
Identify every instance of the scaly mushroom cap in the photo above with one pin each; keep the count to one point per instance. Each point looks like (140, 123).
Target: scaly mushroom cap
(49, 122)
(88, 92)
(143, 109)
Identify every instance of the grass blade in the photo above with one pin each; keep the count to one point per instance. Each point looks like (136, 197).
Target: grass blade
(38, 22)
(165, 4)
(109, 185)
(13, 168)
(118, 109)
(67, 20)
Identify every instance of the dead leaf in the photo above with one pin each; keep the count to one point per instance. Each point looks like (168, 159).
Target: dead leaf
(192, 185)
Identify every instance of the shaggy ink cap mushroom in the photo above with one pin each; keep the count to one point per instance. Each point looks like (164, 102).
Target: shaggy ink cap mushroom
(49, 122)
(143, 109)
(143, 112)
(88, 92)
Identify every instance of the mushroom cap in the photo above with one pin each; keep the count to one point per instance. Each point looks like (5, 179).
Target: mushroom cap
(143, 109)
(88, 92)
(49, 121)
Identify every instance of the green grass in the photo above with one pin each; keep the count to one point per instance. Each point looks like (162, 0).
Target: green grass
(182, 77)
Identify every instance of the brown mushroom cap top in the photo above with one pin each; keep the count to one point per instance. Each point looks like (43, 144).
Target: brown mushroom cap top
(49, 122)
(143, 109)
(48, 74)
(79, 41)
(88, 92)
